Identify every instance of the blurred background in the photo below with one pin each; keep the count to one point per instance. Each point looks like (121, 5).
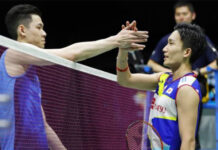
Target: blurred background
(70, 21)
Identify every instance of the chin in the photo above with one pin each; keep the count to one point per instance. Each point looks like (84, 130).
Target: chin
(167, 64)
(164, 63)
(41, 46)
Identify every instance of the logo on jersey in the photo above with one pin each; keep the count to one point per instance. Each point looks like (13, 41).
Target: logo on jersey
(153, 103)
(159, 108)
(169, 91)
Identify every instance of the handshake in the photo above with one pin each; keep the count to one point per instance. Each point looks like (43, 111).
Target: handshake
(130, 39)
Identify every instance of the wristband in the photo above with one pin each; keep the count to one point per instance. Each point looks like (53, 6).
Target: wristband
(122, 70)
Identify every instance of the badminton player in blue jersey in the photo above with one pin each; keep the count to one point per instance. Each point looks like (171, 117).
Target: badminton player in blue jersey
(18, 78)
(174, 109)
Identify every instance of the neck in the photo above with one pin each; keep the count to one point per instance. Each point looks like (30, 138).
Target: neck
(181, 71)
(21, 40)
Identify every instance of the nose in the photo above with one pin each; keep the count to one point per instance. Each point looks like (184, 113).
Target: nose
(181, 19)
(165, 49)
(44, 34)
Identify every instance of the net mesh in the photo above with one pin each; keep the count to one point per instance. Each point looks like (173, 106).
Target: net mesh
(86, 111)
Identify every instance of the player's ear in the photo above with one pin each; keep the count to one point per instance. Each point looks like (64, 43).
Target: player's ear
(21, 31)
(193, 16)
(187, 52)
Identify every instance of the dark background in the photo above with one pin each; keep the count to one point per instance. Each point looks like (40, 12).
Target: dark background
(70, 21)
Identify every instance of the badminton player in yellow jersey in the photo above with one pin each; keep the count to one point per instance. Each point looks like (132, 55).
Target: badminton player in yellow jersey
(174, 109)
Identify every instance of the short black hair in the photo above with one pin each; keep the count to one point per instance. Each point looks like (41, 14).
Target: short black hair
(192, 37)
(184, 4)
(19, 14)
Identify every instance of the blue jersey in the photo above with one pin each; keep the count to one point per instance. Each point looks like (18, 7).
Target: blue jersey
(206, 58)
(163, 111)
(23, 111)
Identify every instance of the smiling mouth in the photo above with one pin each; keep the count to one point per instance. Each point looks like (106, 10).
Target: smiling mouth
(165, 57)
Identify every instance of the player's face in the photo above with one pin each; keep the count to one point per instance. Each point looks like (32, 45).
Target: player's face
(34, 33)
(183, 14)
(173, 51)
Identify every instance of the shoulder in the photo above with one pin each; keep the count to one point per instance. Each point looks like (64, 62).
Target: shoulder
(210, 45)
(158, 51)
(208, 39)
(187, 80)
(164, 39)
(187, 95)
(12, 63)
(162, 76)
(190, 81)
(188, 88)
(12, 57)
(166, 36)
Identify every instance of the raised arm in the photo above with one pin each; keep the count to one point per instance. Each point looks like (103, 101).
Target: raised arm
(187, 106)
(136, 81)
(83, 50)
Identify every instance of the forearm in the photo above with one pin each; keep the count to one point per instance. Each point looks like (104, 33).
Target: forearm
(203, 70)
(53, 140)
(156, 67)
(83, 50)
(122, 63)
(138, 81)
(188, 145)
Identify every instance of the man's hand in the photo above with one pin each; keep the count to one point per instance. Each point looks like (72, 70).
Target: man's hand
(129, 37)
(129, 26)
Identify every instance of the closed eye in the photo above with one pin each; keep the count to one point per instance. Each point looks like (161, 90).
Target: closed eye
(38, 27)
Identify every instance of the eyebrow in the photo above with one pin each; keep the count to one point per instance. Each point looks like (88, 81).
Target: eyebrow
(170, 40)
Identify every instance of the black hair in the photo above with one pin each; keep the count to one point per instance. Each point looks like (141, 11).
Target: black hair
(19, 14)
(192, 37)
(184, 4)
